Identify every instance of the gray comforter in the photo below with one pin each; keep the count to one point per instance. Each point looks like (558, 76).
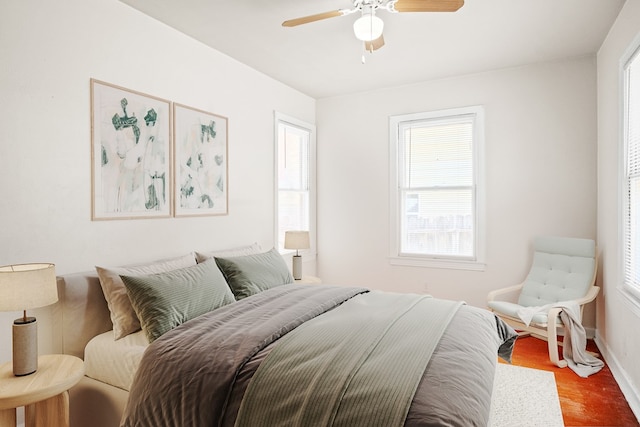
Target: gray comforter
(197, 374)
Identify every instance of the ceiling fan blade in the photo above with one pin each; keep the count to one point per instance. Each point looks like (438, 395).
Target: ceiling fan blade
(313, 18)
(374, 44)
(428, 5)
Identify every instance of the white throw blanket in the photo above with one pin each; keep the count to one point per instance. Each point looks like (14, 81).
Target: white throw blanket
(574, 349)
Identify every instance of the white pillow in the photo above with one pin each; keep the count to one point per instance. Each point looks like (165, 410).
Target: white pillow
(123, 316)
(229, 253)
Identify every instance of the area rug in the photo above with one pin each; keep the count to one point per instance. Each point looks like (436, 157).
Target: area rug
(524, 397)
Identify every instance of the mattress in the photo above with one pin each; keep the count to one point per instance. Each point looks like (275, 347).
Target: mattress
(114, 361)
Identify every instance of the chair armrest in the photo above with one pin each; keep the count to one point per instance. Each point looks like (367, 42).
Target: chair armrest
(510, 293)
(590, 296)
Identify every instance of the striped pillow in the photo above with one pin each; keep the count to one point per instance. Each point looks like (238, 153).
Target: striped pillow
(250, 274)
(165, 300)
(123, 316)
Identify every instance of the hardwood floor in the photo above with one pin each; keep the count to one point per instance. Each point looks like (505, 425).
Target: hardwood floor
(593, 401)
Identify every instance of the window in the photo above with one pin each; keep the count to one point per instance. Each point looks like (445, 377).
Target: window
(295, 180)
(436, 190)
(631, 176)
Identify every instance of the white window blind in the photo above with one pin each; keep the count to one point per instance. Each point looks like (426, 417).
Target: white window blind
(631, 181)
(436, 190)
(295, 148)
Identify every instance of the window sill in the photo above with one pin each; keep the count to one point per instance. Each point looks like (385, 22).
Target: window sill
(631, 299)
(437, 263)
(306, 254)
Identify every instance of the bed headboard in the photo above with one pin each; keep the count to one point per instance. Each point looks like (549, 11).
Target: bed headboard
(84, 310)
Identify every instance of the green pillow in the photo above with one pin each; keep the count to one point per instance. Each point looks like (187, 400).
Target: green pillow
(165, 300)
(247, 275)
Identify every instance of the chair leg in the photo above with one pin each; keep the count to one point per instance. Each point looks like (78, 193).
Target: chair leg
(552, 339)
(554, 356)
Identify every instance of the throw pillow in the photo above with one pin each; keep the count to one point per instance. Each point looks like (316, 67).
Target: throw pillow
(165, 300)
(247, 275)
(123, 316)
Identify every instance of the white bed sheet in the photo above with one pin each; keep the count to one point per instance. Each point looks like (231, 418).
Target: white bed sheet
(114, 361)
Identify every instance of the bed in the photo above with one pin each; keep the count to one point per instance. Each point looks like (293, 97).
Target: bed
(415, 360)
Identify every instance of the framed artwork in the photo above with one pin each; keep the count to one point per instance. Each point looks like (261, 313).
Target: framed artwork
(130, 153)
(201, 166)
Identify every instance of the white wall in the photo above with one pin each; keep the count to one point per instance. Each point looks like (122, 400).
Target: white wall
(540, 174)
(617, 318)
(49, 51)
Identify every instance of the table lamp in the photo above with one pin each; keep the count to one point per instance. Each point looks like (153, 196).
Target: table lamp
(296, 240)
(22, 287)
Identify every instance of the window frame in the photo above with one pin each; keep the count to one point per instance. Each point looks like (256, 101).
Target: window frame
(477, 261)
(631, 292)
(280, 118)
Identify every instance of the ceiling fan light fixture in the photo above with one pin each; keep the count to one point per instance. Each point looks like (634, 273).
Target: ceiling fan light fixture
(368, 27)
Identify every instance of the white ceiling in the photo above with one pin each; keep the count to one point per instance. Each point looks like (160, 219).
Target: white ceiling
(323, 58)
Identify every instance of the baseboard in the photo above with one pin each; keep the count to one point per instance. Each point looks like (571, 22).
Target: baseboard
(590, 332)
(630, 392)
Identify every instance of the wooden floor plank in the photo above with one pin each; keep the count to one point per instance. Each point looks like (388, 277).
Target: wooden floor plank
(593, 401)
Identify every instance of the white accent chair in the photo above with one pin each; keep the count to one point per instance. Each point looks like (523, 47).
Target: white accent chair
(563, 269)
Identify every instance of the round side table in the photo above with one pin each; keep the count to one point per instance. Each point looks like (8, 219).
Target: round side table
(308, 280)
(44, 394)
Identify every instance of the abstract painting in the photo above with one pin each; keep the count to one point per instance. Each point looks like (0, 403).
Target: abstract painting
(200, 145)
(131, 153)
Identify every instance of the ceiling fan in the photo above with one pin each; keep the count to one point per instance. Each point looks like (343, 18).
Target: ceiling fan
(368, 27)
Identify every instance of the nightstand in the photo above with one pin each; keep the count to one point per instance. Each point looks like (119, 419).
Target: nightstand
(44, 394)
(308, 280)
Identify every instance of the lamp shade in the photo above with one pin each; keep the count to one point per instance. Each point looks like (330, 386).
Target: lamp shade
(26, 286)
(296, 240)
(368, 27)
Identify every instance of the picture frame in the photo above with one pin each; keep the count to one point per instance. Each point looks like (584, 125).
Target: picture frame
(130, 154)
(200, 162)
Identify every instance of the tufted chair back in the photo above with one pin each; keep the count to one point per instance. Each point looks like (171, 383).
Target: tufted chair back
(562, 270)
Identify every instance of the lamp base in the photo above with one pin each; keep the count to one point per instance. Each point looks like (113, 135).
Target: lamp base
(296, 266)
(25, 346)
